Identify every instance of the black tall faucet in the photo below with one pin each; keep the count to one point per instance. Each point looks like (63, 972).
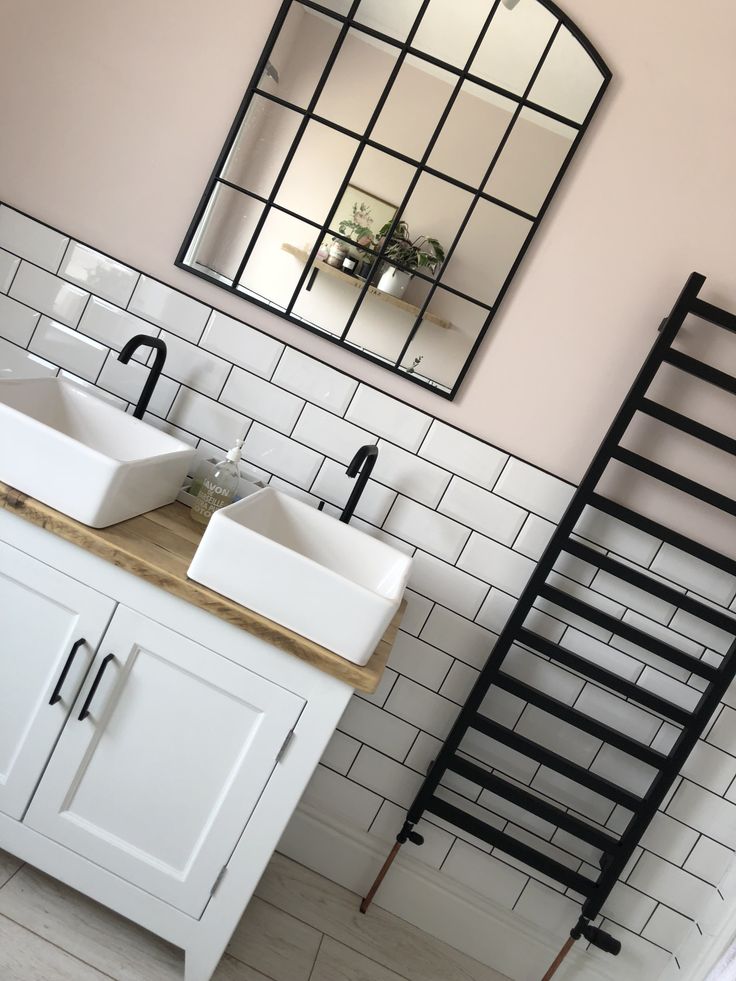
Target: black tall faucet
(159, 346)
(361, 467)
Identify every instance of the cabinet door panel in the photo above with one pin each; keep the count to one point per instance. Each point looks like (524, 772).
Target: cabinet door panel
(158, 782)
(42, 614)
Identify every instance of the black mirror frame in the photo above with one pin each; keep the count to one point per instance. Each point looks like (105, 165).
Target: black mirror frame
(404, 48)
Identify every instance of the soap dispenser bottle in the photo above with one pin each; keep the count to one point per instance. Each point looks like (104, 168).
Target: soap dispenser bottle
(216, 486)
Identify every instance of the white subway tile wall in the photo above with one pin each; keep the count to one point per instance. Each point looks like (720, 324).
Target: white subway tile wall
(476, 520)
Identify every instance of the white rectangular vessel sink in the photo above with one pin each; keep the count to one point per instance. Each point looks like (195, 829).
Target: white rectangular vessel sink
(67, 448)
(303, 569)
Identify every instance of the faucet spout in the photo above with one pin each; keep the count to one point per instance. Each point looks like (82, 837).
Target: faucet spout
(361, 466)
(159, 346)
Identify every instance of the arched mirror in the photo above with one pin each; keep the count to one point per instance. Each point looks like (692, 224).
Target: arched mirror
(389, 166)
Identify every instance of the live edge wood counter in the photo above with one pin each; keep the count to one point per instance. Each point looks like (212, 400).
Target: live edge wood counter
(159, 547)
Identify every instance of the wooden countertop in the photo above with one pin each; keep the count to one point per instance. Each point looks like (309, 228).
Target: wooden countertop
(159, 546)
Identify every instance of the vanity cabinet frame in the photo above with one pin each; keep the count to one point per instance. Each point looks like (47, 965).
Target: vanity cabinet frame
(202, 938)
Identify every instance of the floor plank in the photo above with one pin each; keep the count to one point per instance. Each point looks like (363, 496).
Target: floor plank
(274, 942)
(380, 936)
(9, 865)
(336, 962)
(26, 957)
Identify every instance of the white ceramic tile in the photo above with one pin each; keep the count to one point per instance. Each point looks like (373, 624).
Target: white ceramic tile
(385, 776)
(574, 568)
(423, 753)
(48, 294)
(114, 327)
(601, 654)
(588, 596)
(547, 626)
(8, 267)
(617, 536)
(668, 688)
(443, 583)
(437, 842)
(546, 908)
(333, 485)
(667, 928)
(68, 349)
(385, 686)
(410, 475)
(633, 597)
(371, 725)
(701, 809)
(710, 767)
(496, 564)
(194, 367)
(329, 434)
(347, 799)
(695, 574)
(388, 417)
(623, 770)
(169, 309)
(417, 610)
(315, 381)
(534, 490)
(127, 381)
(413, 658)
(702, 632)
(662, 633)
(618, 713)
(475, 810)
(98, 273)
(208, 419)
(502, 707)
(281, 456)
(30, 239)
(459, 682)
(534, 537)
(241, 344)
(709, 860)
(585, 802)
(485, 512)
(723, 733)
(421, 707)
(340, 752)
(261, 400)
(463, 454)
(15, 363)
(16, 321)
(628, 907)
(495, 754)
(496, 610)
(459, 637)
(669, 838)
(426, 529)
(567, 740)
(484, 874)
(670, 885)
(543, 675)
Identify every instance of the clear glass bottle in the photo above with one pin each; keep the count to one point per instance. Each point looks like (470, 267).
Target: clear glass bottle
(215, 487)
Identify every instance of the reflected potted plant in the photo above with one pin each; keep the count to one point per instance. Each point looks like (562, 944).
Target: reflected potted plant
(358, 227)
(421, 252)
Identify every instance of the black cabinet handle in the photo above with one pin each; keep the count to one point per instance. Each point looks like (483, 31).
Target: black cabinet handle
(95, 685)
(56, 696)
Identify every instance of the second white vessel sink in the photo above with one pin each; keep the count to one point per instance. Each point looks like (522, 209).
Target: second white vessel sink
(67, 448)
(303, 569)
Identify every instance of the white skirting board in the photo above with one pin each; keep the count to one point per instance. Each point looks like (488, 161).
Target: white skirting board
(434, 903)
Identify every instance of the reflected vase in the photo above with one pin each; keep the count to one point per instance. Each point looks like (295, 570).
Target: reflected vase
(394, 281)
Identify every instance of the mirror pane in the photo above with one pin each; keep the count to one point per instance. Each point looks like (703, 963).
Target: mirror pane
(316, 172)
(328, 297)
(224, 232)
(341, 7)
(471, 133)
(278, 259)
(265, 137)
(413, 108)
(513, 45)
(486, 252)
(530, 161)
(299, 56)
(395, 19)
(356, 81)
(434, 213)
(449, 29)
(382, 325)
(437, 353)
(569, 79)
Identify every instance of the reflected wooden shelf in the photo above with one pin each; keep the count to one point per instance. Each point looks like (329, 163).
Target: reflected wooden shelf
(356, 283)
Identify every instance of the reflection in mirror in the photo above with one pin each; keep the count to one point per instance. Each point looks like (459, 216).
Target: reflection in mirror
(388, 169)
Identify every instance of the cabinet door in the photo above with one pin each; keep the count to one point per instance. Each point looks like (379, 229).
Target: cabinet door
(157, 782)
(43, 617)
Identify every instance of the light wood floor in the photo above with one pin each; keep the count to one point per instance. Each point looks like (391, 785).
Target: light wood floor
(299, 927)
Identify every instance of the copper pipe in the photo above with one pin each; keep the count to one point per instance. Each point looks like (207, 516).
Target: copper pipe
(559, 959)
(368, 898)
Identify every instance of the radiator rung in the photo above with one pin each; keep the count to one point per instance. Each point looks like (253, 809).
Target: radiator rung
(699, 369)
(687, 425)
(714, 315)
(578, 774)
(505, 843)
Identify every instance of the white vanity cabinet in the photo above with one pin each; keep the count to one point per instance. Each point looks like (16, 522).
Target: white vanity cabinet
(50, 626)
(155, 765)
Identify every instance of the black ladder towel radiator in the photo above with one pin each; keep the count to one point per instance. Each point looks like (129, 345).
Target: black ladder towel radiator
(617, 850)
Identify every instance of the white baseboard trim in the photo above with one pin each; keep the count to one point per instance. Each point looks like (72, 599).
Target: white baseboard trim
(433, 902)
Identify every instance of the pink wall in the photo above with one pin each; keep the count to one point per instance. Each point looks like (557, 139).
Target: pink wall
(112, 115)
